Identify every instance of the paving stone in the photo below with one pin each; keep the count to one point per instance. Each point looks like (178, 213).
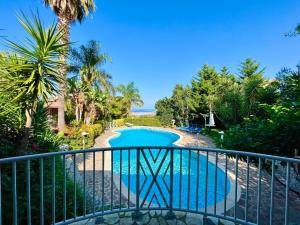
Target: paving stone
(225, 222)
(153, 221)
(111, 219)
(126, 221)
(180, 215)
(162, 221)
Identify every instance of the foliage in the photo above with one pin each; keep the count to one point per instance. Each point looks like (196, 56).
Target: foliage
(29, 72)
(289, 85)
(214, 135)
(35, 190)
(258, 114)
(86, 62)
(182, 103)
(166, 119)
(131, 96)
(250, 68)
(67, 13)
(165, 111)
(152, 121)
(119, 122)
(73, 10)
(11, 122)
(29, 77)
(117, 108)
(276, 131)
(90, 93)
(74, 136)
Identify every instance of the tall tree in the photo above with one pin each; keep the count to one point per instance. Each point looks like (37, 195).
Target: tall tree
(165, 110)
(204, 89)
(289, 85)
(67, 12)
(130, 95)
(87, 61)
(30, 72)
(75, 94)
(250, 68)
(182, 103)
(228, 99)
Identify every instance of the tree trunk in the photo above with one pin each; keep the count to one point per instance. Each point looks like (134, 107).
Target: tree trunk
(26, 132)
(77, 110)
(77, 113)
(64, 26)
(80, 113)
(87, 118)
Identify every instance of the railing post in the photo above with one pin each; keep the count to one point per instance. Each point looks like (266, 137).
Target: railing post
(0, 196)
(14, 188)
(41, 191)
(287, 187)
(28, 190)
(170, 215)
(137, 212)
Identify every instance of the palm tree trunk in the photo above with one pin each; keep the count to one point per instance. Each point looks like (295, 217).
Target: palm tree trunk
(77, 113)
(64, 26)
(80, 112)
(26, 132)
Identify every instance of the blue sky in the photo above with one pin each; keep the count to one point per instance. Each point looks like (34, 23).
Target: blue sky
(158, 43)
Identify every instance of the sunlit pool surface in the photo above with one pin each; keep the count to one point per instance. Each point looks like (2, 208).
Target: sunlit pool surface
(154, 159)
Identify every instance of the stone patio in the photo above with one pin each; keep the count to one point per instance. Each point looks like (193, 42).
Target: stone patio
(155, 217)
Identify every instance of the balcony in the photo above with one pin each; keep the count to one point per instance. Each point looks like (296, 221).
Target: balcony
(149, 185)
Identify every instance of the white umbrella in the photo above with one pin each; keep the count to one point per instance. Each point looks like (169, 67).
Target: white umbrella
(211, 120)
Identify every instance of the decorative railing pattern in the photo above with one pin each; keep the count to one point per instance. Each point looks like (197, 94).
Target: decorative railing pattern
(65, 187)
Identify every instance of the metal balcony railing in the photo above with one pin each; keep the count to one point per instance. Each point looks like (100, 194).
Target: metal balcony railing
(65, 187)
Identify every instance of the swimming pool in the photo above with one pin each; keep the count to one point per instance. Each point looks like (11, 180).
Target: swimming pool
(152, 161)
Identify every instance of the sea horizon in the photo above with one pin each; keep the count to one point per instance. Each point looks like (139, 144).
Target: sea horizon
(143, 110)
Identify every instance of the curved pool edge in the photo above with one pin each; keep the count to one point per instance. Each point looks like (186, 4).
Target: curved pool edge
(230, 197)
(115, 134)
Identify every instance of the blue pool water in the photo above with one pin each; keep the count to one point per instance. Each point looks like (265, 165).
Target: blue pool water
(156, 159)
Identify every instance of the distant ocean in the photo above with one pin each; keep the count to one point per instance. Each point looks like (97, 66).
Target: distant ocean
(143, 110)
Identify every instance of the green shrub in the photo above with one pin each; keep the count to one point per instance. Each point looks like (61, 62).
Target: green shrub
(152, 121)
(166, 119)
(275, 132)
(119, 122)
(214, 135)
(74, 136)
(7, 197)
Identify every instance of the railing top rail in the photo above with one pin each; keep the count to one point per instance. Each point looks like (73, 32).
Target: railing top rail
(91, 150)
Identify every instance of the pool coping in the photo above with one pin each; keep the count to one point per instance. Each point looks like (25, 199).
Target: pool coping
(230, 197)
(116, 134)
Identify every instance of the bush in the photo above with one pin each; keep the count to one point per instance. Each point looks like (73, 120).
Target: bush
(74, 136)
(35, 193)
(214, 135)
(41, 140)
(276, 132)
(166, 119)
(119, 122)
(152, 121)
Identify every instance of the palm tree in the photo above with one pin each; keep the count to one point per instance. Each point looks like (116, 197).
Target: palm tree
(86, 61)
(67, 12)
(30, 70)
(96, 103)
(75, 95)
(131, 96)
